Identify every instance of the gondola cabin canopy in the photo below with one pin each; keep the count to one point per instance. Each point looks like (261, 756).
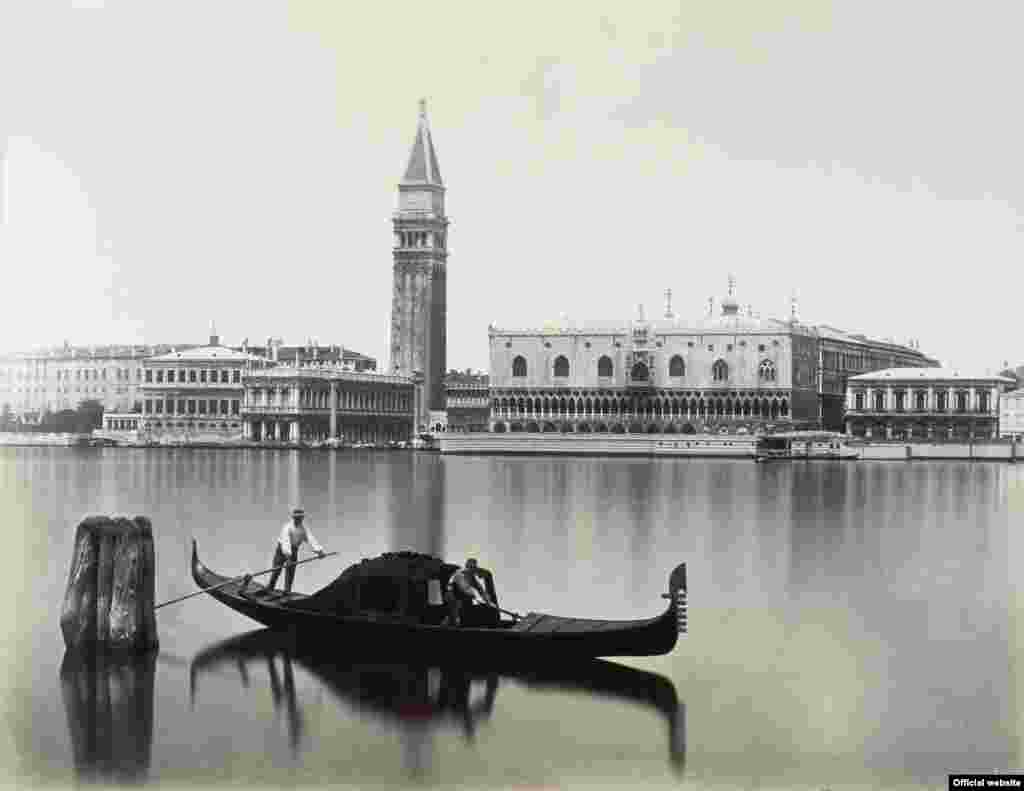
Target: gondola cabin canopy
(395, 583)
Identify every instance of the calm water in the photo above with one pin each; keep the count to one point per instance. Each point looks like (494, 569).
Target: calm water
(850, 623)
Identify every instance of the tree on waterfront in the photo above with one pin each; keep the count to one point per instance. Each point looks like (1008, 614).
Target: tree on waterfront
(63, 422)
(89, 416)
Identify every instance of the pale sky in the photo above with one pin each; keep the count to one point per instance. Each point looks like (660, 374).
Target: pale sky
(169, 163)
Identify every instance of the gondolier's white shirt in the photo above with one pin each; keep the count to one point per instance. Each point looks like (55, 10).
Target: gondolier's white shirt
(290, 534)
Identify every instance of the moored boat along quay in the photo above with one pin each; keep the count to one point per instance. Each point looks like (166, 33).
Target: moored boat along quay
(805, 446)
(817, 447)
(99, 439)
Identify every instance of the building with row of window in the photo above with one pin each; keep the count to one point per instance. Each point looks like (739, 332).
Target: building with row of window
(468, 400)
(1011, 414)
(731, 372)
(124, 378)
(195, 395)
(924, 404)
(218, 394)
(317, 403)
(311, 353)
(62, 378)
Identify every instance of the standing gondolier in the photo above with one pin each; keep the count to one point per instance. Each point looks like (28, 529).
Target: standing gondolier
(293, 535)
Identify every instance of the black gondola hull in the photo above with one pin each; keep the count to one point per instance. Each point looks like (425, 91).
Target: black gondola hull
(536, 636)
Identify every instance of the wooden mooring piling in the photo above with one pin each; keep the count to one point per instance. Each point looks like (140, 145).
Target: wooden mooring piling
(108, 605)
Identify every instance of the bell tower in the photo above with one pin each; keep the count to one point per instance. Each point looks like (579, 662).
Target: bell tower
(419, 292)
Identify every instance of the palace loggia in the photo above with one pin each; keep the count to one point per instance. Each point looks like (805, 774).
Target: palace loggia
(732, 372)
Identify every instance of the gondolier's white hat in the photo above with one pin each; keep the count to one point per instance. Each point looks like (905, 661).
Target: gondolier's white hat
(298, 512)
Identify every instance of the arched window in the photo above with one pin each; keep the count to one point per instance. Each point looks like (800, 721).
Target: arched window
(639, 373)
(720, 371)
(676, 366)
(604, 366)
(767, 371)
(561, 366)
(519, 366)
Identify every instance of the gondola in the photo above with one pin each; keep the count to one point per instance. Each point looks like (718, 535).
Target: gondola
(390, 605)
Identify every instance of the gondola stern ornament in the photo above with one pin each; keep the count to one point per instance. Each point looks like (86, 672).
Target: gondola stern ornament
(677, 597)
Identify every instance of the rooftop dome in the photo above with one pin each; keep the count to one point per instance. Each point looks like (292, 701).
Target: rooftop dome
(730, 307)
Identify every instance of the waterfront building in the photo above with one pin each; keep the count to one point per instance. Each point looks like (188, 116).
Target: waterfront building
(315, 403)
(1011, 414)
(924, 404)
(120, 426)
(195, 395)
(419, 291)
(730, 373)
(311, 352)
(842, 355)
(51, 380)
(468, 402)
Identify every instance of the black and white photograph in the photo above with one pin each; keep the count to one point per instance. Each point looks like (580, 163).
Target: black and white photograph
(512, 396)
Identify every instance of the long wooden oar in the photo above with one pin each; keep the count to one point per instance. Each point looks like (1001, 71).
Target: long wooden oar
(242, 577)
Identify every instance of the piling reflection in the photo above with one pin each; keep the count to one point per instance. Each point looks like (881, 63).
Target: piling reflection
(109, 706)
(422, 700)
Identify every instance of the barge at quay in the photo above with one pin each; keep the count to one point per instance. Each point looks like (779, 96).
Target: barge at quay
(804, 446)
(737, 446)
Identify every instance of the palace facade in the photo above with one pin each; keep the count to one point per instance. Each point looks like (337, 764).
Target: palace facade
(726, 373)
(316, 403)
(924, 404)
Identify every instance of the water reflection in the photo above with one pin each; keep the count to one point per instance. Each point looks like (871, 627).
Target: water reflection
(420, 700)
(109, 707)
(416, 488)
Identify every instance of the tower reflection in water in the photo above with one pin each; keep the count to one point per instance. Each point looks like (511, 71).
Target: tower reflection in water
(422, 700)
(109, 706)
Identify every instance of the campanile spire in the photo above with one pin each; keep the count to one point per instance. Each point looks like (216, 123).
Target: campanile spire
(420, 256)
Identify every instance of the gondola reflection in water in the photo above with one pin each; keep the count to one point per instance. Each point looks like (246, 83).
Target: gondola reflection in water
(421, 699)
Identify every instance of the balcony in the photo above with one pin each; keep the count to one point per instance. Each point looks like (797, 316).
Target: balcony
(920, 412)
(277, 409)
(190, 386)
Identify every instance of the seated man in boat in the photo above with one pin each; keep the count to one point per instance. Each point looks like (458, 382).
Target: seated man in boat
(293, 535)
(465, 587)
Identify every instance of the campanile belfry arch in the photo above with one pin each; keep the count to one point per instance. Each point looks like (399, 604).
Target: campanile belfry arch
(419, 293)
